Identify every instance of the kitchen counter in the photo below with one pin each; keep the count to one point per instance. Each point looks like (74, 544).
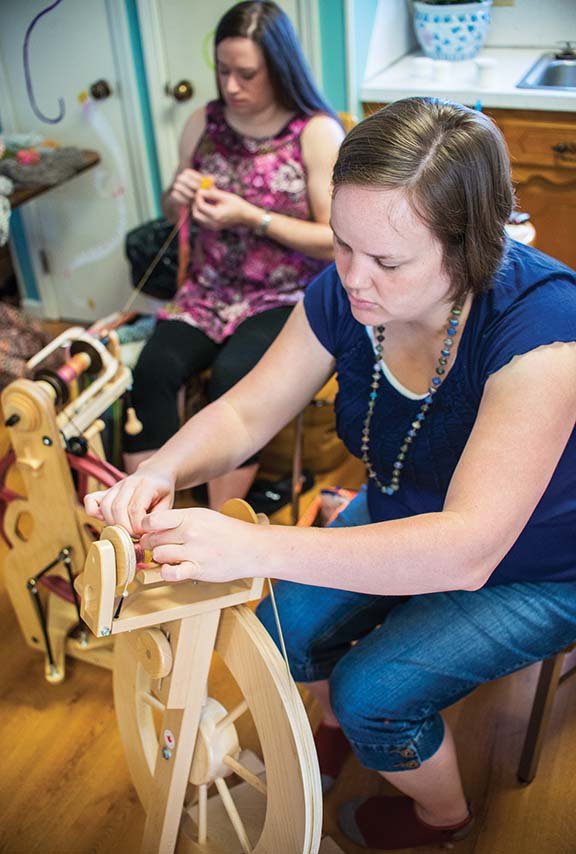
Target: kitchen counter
(461, 82)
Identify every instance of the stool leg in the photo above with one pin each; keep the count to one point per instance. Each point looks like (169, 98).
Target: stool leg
(548, 680)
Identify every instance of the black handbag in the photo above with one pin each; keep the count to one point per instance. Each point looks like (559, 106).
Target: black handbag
(142, 246)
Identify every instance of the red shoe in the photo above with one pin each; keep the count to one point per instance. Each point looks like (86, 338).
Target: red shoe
(390, 823)
(333, 748)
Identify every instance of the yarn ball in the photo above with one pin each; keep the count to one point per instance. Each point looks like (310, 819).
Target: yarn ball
(27, 156)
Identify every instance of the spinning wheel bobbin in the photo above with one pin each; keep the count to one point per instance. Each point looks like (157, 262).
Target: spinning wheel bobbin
(126, 552)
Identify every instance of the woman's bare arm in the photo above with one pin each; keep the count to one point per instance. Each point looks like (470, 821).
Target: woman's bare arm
(524, 423)
(232, 428)
(215, 209)
(227, 431)
(525, 420)
(171, 201)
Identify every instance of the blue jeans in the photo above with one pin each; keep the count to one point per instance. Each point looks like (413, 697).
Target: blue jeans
(394, 662)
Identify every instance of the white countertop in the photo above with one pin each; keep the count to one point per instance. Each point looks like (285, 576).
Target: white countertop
(402, 79)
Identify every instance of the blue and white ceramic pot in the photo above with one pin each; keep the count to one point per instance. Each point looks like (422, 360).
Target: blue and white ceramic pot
(452, 32)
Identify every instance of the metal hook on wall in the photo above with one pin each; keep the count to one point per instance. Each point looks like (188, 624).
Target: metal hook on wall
(26, 59)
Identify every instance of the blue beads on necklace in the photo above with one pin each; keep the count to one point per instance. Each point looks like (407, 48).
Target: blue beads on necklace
(398, 465)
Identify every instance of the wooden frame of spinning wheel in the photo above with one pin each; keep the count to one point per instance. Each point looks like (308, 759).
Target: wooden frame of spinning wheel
(168, 633)
(48, 522)
(48, 519)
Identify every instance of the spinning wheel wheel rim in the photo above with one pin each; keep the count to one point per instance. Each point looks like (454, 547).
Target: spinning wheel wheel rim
(90, 466)
(292, 821)
(96, 469)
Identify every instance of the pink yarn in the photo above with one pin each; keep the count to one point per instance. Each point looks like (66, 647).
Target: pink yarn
(27, 156)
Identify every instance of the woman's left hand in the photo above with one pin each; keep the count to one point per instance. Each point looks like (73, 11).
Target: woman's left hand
(216, 209)
(202, 545)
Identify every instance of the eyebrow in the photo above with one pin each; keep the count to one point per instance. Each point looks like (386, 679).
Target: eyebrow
(221, 63)
(369, 254)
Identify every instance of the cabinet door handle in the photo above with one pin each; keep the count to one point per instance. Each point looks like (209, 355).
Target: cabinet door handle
(564, 148)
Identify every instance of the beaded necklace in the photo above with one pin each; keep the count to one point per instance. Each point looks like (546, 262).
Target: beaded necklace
(445, 353)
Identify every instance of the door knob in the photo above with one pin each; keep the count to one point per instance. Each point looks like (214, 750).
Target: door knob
(182, 91)
(100, 90)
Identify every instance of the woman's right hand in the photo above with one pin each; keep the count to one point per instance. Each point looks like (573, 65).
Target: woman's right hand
(185, 185)
(128, 501)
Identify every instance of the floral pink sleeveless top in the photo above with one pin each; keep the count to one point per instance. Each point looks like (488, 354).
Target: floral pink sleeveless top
(235, 274)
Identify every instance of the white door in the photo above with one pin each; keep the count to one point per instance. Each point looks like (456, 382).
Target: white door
(177, 39)
(51, 54)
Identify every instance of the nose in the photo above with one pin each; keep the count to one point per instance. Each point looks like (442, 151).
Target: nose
(355, 275)
(232, 86)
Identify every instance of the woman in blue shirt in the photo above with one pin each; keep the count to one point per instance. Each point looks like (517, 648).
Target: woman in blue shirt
(456, 360)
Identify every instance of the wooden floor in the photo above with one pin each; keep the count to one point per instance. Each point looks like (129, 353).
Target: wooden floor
(65, 788)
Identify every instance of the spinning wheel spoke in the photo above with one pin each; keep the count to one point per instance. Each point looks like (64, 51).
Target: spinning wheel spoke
(202, 813)
(151, 700)
(233, 715)
(245, 773)
(233, 814)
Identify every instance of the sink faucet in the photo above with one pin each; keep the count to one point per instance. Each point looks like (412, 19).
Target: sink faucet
(567, 52)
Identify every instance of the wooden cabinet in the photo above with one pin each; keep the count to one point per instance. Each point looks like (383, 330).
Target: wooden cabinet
(543, 151)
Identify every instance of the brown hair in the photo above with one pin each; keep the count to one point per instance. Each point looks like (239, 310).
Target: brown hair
(454, 166)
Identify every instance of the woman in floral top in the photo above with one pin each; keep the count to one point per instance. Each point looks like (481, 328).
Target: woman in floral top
(266, 146)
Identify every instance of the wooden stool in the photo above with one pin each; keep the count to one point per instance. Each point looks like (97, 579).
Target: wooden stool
(550, 679)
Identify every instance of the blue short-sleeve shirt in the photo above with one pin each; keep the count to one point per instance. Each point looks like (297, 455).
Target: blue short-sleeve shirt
(532, 303)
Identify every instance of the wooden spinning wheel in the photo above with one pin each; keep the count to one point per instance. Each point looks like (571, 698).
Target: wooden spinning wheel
(272, 813)
(57, 452)
(181, 745)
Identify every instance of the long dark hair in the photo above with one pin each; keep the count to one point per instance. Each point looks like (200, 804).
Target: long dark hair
(271, 29)
(453, 164)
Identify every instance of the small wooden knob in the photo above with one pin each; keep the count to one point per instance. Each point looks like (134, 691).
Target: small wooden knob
(22, 411)
(133, 425)
(153, 652)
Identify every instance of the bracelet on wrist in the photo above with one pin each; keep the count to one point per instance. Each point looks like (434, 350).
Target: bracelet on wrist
(262, 226)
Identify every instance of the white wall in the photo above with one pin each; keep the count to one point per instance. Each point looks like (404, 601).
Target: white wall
(392, 36)
(533, 23)
(529, 23)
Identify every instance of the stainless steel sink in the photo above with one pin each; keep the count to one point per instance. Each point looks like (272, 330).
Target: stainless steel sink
(551, 72)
